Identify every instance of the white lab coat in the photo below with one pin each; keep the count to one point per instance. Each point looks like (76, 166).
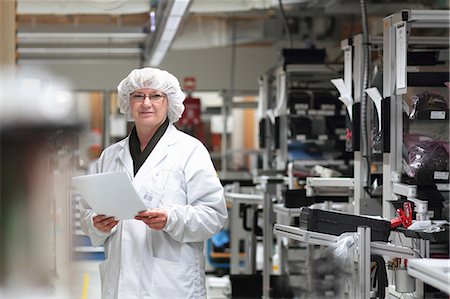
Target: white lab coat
(143, 263)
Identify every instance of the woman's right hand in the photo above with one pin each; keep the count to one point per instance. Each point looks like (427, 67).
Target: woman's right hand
(104, 223)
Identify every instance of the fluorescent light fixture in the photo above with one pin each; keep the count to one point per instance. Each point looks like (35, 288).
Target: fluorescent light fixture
(79, 51)
(173, 21)
(80, 37)
(152, 21)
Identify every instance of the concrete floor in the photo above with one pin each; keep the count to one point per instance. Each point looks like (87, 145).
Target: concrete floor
(86, 282)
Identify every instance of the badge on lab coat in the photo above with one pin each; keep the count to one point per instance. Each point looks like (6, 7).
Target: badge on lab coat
(149, 200)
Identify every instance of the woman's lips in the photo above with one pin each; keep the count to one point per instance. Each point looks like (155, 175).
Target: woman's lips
(145, 113)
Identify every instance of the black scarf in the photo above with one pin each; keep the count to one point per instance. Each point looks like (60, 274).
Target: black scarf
(135, 145)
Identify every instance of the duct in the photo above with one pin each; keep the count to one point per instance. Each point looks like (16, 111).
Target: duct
(80, 37)
(234, 6)
(72, 7)
(79, 51)
(204, 32)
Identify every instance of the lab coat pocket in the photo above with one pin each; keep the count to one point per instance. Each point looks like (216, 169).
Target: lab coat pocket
(174, 280)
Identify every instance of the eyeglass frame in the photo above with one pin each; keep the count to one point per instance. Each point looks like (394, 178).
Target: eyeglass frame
(160, 97)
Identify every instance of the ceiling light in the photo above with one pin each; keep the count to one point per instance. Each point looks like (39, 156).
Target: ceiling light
(173, 21)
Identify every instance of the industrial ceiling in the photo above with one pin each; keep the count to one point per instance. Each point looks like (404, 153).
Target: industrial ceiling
(83, 30)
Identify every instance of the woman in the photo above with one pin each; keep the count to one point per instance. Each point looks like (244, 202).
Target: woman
(159, 254)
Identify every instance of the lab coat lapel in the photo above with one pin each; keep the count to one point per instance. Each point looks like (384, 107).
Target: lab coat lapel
(158, 154)
(125, 157)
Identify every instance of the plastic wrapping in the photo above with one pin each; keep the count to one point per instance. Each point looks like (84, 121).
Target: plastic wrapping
(423, 104)
(334, 270)
(424, 156)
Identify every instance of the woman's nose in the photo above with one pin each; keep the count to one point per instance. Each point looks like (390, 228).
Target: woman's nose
(147, 101)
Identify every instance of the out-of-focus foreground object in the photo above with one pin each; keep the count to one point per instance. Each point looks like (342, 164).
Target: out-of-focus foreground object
(37, 155)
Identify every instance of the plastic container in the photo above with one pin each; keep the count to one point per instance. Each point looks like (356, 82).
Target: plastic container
(403, 282)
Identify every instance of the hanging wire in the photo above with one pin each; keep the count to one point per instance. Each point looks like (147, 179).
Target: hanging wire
(285, 24)
(112, 5)
(364, 106)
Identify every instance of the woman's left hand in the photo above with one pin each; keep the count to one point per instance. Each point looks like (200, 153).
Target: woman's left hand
(156, 218)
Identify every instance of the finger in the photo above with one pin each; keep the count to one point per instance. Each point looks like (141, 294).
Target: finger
(143, 213)
(108, 220)
(154, 213)
(101, 218)
(112, 224)
(98, 218)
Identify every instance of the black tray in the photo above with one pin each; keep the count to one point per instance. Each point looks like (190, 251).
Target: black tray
(336, 223)
(407, 232)
(437, 237)
(296, 198)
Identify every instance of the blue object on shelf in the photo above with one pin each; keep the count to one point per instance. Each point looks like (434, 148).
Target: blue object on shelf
(221, 238)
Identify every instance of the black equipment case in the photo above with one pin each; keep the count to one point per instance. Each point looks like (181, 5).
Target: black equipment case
(336, 223)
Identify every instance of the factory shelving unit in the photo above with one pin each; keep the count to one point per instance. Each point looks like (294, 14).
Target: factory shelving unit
(405, 33)
(397, 72)
(298, 106)
(300, 113)
(353, 49)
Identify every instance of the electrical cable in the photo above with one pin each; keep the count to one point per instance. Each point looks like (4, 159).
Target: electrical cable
(364, 106)
(285, 24)
(113, 5)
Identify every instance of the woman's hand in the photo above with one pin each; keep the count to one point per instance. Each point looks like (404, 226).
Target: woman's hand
(156, 218)
(104, 223)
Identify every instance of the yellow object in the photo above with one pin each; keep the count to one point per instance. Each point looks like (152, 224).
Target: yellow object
(85, 286)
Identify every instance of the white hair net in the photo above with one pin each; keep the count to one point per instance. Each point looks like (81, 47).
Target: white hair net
(153, 78)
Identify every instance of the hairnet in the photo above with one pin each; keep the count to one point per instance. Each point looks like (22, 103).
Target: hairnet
(153, 78)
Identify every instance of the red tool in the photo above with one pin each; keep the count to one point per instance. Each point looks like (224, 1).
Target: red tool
(402, 216)
(408, 213)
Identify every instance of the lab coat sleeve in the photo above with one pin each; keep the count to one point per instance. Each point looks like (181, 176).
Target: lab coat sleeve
(206, 211)
(86, 214)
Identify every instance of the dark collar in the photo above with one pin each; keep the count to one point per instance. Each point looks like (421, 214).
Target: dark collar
(135, 146)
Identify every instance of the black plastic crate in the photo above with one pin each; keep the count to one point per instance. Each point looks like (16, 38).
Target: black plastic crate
(296, 198)
(337, 223)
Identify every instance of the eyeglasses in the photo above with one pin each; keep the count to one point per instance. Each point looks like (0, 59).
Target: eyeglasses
(154, 98)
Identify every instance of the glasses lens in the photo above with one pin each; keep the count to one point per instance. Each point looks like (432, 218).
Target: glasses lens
(138, 96)
(156, 97)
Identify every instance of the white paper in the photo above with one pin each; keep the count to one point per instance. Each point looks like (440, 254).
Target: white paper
(110, 194)
(345, 95)
(376, 97)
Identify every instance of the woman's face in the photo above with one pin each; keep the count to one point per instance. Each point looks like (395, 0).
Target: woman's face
(148, 107)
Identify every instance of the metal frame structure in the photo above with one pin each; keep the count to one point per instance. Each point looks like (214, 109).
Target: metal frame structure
(396, 39)
(353, 64)
(273, 103)
(250, 241)
(431, 271)
(364, 249)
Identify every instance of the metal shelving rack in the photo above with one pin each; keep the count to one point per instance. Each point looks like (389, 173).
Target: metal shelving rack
(353, 63)
(273, 108)
(397, 38)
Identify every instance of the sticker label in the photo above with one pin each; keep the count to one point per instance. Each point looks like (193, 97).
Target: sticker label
(437, 115)
(441, 175)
